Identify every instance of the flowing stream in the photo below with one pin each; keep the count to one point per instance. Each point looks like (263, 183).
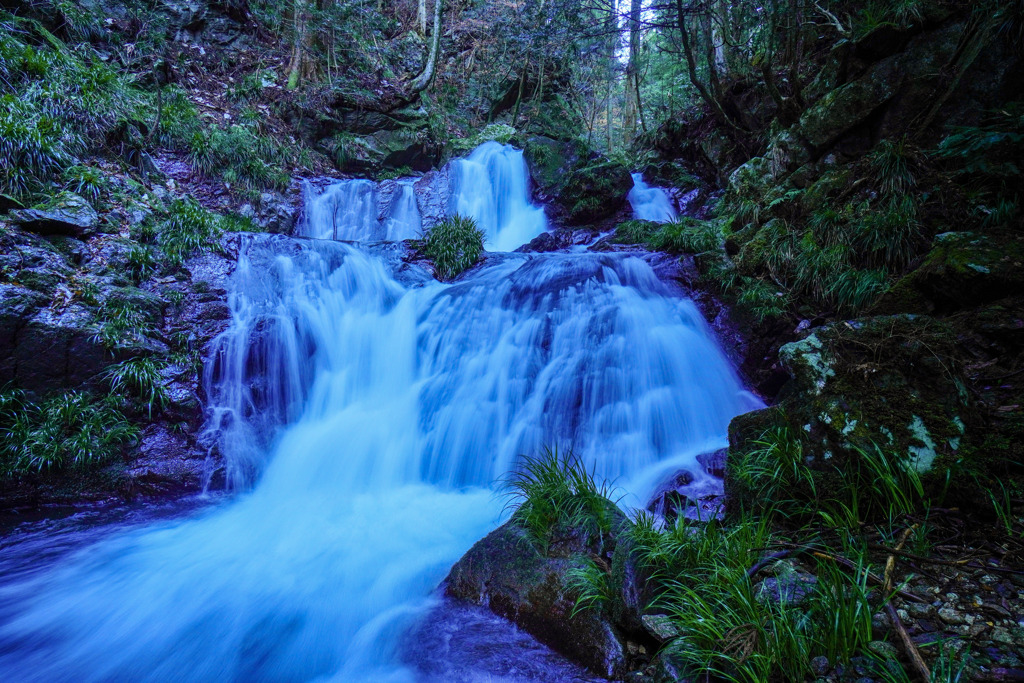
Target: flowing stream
(366, 414)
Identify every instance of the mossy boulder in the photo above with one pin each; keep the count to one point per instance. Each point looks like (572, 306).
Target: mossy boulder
(585, 186)
(387, 149)
(551, 161)
(595, 191)
(753, 180)
(515, 579)
(66, 214)
(962, 270)
(890, 381)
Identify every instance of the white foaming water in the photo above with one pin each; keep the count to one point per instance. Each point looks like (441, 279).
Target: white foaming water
(650, 203)
(403, 221)
(492, 186)
(389, 408)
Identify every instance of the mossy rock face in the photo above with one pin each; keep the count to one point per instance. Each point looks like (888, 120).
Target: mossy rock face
(848, 105)
(962, 270)
(389, 149)
(550, 161)
(507, 573)
(753, 180)
(596, 191)
(831, 184)
(891, 381)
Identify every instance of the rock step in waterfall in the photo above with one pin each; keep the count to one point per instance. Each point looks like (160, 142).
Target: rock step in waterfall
(367, 412)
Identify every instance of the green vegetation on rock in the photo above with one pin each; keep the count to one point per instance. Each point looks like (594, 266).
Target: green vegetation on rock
(454, 245)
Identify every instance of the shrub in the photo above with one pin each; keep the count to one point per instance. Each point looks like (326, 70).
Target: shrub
(453, 245)
(69, 429)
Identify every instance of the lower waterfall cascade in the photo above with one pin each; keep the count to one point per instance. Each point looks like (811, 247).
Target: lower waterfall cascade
(366, 415)
(650, 203)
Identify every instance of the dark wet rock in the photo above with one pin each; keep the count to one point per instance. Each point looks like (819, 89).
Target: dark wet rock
(660, 626)
(68, 214)
(433, 196)
(543, 243)
(506, 572)
(682, 495)
(274, 212)
(714, 462)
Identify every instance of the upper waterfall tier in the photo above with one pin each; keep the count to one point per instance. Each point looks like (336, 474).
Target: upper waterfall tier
(650, 203)
(491, 185)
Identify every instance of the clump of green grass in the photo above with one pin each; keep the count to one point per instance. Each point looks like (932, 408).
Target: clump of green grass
(687, 236)
(873, 484)
(238, 154)
(454, 245)
(71, 429)
(121, 323)
(87, 181)
(188, 228)
(141, 262)
(635, 232)
(556, 494)
(139, 379)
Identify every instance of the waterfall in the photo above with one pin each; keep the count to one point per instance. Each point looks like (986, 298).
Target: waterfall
(403, 217)
(650, 203)
(370, 411)
(492, 186)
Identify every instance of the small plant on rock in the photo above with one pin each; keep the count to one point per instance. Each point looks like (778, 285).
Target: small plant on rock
(556, 493)
(69, 429)
(454, 245)
(139, 378)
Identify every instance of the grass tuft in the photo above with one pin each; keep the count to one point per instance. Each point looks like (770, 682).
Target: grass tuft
(454, 245)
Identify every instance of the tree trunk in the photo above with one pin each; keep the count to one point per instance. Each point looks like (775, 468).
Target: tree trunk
(421, 17)
(299, 20)
(423, 80)
(613, 34)
(631, 104)
(691, 67)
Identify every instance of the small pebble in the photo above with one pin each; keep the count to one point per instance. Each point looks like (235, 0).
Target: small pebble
(883, 649)
(951, 616)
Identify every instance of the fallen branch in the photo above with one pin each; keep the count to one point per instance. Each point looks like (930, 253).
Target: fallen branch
(909, 647)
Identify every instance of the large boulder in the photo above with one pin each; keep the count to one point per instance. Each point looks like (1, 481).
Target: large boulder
(585, 186)
(595, 191)
(68, 214)
(514, 577)
(550, 161)
(890, 381)
(962, 270)
(387, 149)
